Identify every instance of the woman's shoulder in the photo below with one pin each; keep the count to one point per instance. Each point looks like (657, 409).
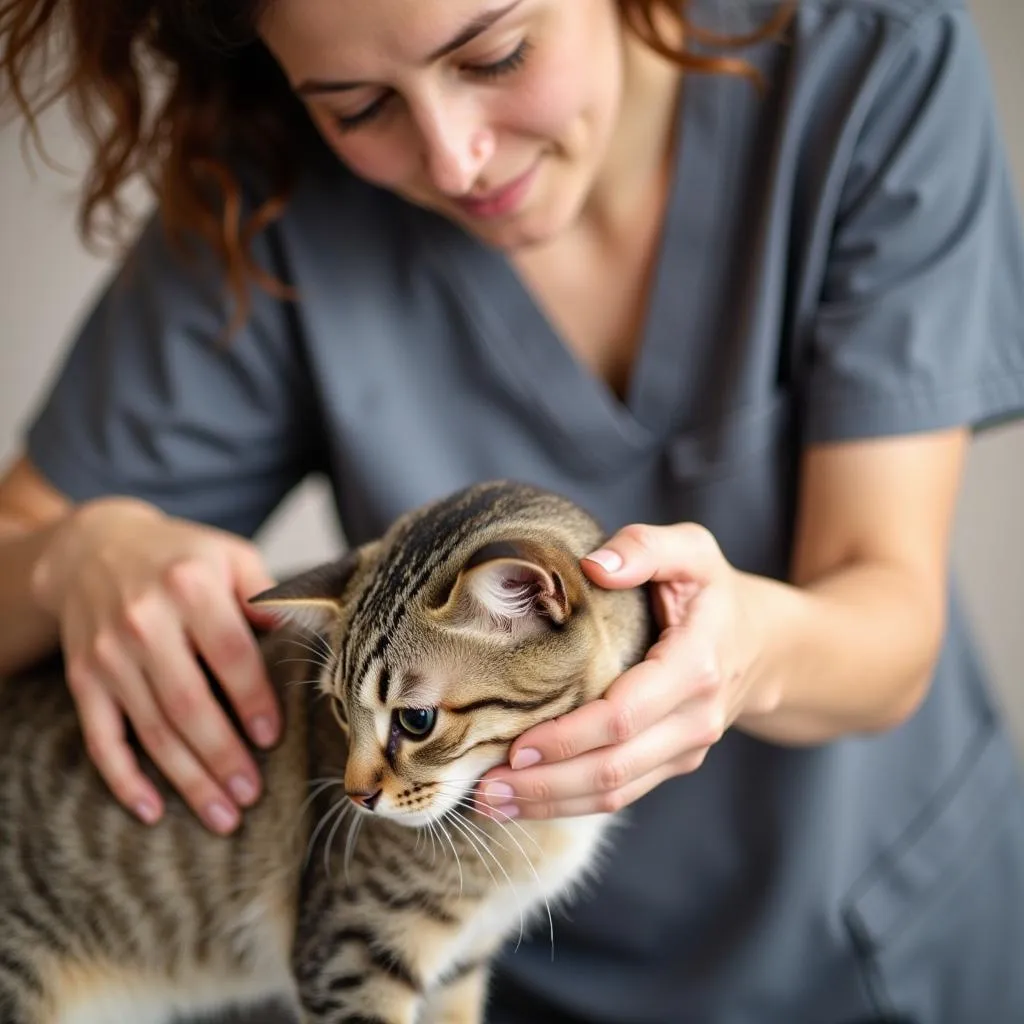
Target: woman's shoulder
(729, 17)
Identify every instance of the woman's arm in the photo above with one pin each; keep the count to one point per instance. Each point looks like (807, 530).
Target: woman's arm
(29, 510)
(847, 646)
(850, 646)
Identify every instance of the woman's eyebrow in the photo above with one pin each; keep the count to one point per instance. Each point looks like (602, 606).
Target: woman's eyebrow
(477, 26)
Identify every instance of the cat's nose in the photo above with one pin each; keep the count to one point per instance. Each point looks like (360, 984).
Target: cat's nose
(367, 800)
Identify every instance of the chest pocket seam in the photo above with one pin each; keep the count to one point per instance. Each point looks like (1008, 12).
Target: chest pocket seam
(935, 844)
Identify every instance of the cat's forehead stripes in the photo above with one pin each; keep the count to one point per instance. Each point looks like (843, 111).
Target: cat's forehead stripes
(424, 543)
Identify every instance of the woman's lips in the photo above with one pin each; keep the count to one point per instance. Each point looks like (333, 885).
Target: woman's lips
(500, 201)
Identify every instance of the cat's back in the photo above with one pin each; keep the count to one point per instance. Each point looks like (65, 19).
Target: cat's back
(103, 915)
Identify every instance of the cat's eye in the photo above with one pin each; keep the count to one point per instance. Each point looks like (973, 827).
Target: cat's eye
(416, 722)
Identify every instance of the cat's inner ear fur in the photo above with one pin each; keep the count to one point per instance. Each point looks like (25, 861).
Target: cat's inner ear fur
(312, 600)
(514, 587)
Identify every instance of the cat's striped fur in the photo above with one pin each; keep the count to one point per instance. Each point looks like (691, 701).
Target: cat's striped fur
(467, 622)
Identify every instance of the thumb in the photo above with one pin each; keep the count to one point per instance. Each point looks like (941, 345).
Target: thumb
(640, 554)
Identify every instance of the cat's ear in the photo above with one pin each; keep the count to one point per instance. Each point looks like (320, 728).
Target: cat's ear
(514, 587)
(313, 599)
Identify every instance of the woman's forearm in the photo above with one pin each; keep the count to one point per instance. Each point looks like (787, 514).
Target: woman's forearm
(27, 632)
(852, 652)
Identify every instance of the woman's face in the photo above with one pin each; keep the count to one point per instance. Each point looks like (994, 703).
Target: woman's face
(494, 113)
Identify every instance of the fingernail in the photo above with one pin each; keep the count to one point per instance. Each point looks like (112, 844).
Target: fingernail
(263, 731)
(610, 561)
(505, 811)
(221, 817)
(525, 757)
(243, 789)
(148, 812)
(495, 791)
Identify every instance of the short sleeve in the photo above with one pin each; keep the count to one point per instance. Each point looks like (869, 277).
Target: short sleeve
(154, 399)
(921, 319)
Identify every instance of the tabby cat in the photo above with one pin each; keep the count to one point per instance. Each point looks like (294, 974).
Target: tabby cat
(364, 886)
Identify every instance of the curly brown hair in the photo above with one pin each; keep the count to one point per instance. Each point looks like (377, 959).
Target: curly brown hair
(221, 99)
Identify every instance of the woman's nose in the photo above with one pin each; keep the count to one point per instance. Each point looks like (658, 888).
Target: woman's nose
(457, 148)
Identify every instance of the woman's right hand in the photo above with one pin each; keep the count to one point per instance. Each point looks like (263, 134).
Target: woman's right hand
(136, 595)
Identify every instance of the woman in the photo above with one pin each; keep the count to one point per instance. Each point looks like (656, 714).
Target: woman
(747, 305)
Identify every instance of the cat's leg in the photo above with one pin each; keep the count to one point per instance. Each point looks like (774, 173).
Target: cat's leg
(461, 1000)
(374, 998)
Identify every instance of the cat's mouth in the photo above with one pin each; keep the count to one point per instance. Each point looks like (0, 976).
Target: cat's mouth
(422, 804)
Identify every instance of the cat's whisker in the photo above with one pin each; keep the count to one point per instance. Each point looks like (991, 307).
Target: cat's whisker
(444, 832)
(433, 843)
(476, 828)
(476, 846)
(336, 808)
(323, 651)
(319, 786)
(299, 661)
(460, 821)
(350, 843)
(473, 782)
(479, 806)
(330, 838)
(533, 871)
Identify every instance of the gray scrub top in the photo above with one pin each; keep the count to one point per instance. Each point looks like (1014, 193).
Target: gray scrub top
(842, 258)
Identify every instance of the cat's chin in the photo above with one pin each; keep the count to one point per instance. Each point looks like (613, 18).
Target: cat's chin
(414, 819)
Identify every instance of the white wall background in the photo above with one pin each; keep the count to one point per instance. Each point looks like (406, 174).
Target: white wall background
(46, 280)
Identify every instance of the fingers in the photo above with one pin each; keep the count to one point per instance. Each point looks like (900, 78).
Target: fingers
(173, 757)
(657, 719)
(130, 678)
(188, 705)
(603, 780)
(679, 667)
(251, 578)
(640, 553)
(218, 627)
(103, 729)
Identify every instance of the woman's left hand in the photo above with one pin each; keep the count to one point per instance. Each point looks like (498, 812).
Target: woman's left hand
(660, 717)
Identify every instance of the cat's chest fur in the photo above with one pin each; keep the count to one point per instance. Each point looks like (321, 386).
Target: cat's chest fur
(561, 854)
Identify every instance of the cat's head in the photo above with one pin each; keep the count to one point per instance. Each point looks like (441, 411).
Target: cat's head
(449, 638)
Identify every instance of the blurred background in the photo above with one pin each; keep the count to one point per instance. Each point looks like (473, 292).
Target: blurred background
(47, 279)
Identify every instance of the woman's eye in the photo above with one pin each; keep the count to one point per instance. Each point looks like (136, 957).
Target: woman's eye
(348, 122)
(508, 64)
(513, 62)
(416, 722)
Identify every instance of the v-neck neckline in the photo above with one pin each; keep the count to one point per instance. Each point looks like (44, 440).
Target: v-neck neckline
(535, 360)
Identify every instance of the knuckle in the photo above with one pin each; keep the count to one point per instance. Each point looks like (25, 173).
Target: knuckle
(78, 674)
(230, 647)
(692, 760)
(565, 747)
(181, 704)
(640, 534)
(613, 774)
(104, 652)
(700, 536)
(542, 812)
(712, 734)
(540, 791)
(140, 616)
(157, 738)
(611, 802)
(706, 679)
(623, 724)
(187, 579)
(97, 751)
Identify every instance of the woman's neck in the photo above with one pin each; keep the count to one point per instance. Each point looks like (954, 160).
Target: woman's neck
(640, 159)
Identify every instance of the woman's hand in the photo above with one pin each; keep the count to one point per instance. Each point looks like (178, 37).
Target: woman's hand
(136, 595)
(661, 717)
